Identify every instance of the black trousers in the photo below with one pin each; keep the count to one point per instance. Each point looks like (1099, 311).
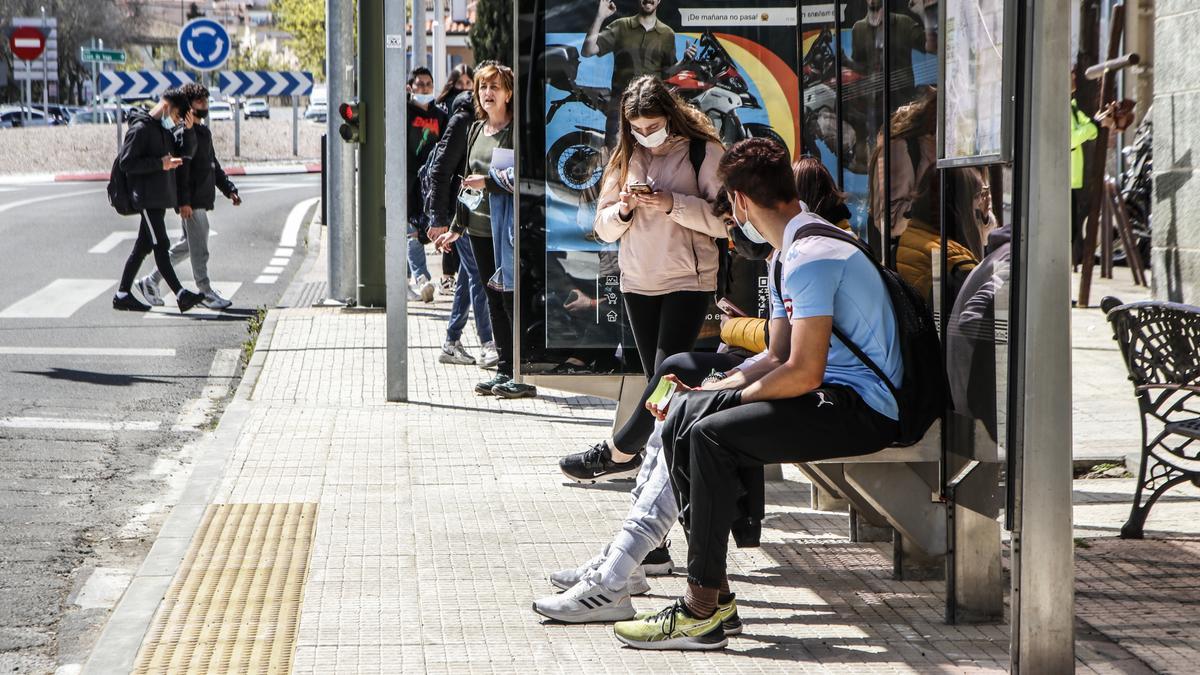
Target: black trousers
(152, 236)
(665, 324)
(691, 368)
(450, 263)
(709, 439)
(500, 304)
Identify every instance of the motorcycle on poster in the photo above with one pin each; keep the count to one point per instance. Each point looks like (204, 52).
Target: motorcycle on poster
(736, 64)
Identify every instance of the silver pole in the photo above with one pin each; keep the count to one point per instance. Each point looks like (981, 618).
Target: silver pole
(296, 125)
(46, 68)
(395, 194)
(237, 129)
(120, 115)
(420, 56)
(339, 175)
(95, 82)
(439, 42)
(28, 93)
(1042, 548)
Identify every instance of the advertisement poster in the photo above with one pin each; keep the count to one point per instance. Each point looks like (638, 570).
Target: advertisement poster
(974, 106)
(738, 64)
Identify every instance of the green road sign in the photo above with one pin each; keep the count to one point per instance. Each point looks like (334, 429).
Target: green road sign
(102, 55)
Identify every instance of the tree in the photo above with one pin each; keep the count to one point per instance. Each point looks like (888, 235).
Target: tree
(491, 33)
(305, 21)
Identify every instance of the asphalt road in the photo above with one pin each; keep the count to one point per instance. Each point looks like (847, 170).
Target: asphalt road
(97, 407)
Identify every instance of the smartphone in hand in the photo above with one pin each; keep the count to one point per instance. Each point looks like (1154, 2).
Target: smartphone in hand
(640, 189)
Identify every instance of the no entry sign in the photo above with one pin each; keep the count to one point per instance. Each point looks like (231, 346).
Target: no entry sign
(27, 43)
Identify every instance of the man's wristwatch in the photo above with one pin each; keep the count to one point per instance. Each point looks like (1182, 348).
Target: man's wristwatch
(714, 376)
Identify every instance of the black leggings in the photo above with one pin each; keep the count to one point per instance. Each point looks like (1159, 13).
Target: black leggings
(152, 236)
(665, 324)
(500, 304)
(691, 368)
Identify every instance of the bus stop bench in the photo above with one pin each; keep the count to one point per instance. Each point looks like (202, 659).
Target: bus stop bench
(1160, 344)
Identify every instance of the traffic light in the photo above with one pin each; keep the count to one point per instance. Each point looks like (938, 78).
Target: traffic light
(352, 128)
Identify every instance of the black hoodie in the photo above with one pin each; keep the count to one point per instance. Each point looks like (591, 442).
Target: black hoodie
(446, 162)
(146, 143)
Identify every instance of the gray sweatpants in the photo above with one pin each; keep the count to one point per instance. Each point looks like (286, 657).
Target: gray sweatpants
(653, 512)
(193, 244)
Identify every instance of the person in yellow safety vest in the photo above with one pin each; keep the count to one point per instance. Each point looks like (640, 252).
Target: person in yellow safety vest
(1083, 129)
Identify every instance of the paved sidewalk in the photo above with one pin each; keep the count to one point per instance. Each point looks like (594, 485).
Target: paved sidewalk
(436, 522)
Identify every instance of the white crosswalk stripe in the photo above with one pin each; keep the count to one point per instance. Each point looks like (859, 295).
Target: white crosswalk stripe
(112, 241)
(58, 300)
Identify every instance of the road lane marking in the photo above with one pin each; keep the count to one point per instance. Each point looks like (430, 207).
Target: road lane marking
(46, 198)
(74, 425)
(87, 351)
(170, 310)
(284, 252)
(279, 261)
(220, 378)
(291, 228)
(272, 269)
(266, 279)
(115, 239)
(57, 300)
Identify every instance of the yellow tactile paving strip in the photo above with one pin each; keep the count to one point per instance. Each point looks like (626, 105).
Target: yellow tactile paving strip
(234, 604)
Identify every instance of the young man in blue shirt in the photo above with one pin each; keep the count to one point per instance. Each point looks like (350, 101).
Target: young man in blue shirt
(809, 398)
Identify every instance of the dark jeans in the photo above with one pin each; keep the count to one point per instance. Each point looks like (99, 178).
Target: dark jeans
(691, 368)
(500, 304)
(665, 324)
(708, 440)
(152, 236)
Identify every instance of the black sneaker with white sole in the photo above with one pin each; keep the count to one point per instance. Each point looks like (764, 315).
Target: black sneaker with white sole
(188, 299)
(596, 464)
(129, 304)
(658, 563)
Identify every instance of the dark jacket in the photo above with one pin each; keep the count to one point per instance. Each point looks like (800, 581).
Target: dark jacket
(447, 162)
(146, 143)
(425, 128)
(199, 178)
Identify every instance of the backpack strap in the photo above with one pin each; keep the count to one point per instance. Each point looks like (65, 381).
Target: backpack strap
(822, 229)
(697, 152)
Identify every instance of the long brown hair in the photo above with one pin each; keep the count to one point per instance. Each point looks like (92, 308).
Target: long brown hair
(490, 70)
(450, 89)
(647, 96)
(817, 188)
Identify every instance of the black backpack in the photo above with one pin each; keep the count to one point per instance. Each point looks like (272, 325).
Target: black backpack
(118, 190)
(924, 391)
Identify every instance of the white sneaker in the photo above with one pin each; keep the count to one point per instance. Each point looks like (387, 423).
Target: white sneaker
(453, 352)
(566, 579)
(489, 357)
(412, 294)
(425, 288)
(214, 301)
(587, 602)
(149, 291)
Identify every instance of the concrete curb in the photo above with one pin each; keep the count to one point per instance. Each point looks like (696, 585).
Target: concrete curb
(116, 649)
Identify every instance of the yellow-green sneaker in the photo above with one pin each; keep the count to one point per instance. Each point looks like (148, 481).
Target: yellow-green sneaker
(731, 623)
(672, 628)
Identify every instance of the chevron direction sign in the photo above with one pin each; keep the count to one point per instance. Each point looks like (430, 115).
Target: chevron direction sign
(137, 83)
(265, 83)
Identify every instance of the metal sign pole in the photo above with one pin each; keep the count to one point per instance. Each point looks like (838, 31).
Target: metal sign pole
(395, 193)
(237, 129)
(341, 195)
(1043, 578)
(45, 68)
(28, 92)
(296, 125)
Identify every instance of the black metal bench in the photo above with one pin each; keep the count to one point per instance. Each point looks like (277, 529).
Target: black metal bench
(1160, 343)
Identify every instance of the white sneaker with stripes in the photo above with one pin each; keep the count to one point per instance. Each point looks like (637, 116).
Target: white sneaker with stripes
(587, 602)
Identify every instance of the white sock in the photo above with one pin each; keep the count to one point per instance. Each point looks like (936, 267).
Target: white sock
(121, 295)
(179, 295)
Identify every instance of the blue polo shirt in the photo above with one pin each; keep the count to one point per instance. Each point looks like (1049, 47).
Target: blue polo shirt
(826, 277)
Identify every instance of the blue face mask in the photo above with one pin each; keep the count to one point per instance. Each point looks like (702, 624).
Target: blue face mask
(747, 229)
(471, 198)
(167, 123)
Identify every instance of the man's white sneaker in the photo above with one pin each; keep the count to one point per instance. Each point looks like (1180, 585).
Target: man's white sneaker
(149, 291)
(413, 294)
(453, 352)
(587, 602)
(214, 301)
(489, 357)
(425, 288)
(566, 579)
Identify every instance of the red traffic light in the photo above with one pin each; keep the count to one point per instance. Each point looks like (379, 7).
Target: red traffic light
(351, 130)
(349, 111)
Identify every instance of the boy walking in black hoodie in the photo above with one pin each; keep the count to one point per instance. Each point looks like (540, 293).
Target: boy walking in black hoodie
(197, 180)
(152, 151)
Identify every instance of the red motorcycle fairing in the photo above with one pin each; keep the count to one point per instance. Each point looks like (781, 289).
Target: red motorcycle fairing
(688, 80)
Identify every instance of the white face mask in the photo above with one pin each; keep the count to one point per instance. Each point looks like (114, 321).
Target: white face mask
(748, 229)
(422, 99)
(653, 140)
